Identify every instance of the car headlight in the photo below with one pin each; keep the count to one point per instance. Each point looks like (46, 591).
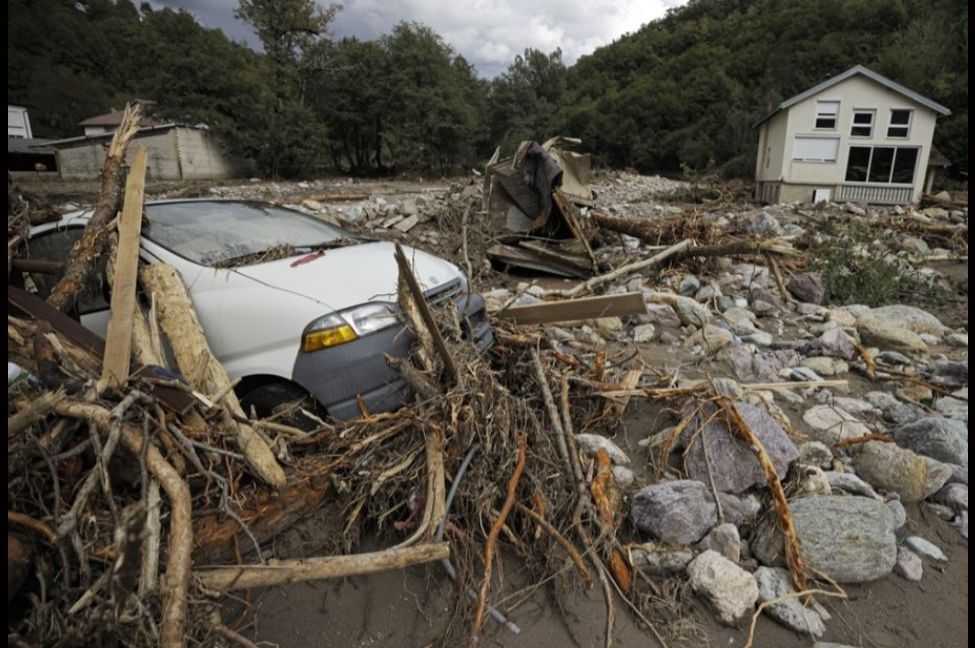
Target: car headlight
(348, 325)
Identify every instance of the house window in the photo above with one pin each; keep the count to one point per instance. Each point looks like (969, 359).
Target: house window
(862, 123)
(900, 122)
(815, 149)
(826, 112)
(881, 164)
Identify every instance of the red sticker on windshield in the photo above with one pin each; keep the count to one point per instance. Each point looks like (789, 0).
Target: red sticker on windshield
(308, 258)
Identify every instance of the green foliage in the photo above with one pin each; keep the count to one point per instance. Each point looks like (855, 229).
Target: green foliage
(681, 93)
(686, 89)
(857, 269)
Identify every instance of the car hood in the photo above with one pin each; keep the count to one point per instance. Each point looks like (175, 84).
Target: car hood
(346, 277)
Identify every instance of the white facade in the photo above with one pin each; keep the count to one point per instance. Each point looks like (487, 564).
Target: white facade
(18, 123)
(858, 136)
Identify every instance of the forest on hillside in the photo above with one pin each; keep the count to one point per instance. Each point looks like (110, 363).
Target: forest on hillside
(678, 96)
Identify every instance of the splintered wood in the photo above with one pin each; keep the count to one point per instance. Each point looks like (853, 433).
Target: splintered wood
(190, 348)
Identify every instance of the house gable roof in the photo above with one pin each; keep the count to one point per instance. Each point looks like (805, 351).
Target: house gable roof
(853, 71)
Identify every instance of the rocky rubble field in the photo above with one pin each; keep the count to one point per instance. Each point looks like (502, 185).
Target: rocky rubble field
(849, 362)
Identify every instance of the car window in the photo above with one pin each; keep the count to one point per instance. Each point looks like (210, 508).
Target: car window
(210, 232)
(55, 246)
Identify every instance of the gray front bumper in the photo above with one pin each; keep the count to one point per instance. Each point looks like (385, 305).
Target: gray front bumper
(336, 376)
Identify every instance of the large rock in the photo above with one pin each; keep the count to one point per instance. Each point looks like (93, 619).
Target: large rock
(729, 589)
(675, 512)
(850, 539)
(774, 583)
(948, 372)
(734, 465)
(688, 311)
(891, 468)
(924, 548)
(807, 287)
(911, 318)
(825, 366)
(846, 482)
(831, 425)
(877, 332)
(724, 539)
(835, 343)
(712, 338)
(943, 439)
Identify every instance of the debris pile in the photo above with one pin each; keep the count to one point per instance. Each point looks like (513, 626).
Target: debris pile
(770, 479)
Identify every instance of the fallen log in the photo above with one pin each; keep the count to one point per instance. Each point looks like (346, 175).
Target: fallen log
(81, 259)
(266, 514)
(282, 572)
(191, 350)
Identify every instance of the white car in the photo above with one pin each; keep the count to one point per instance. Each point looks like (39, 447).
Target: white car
(289, 304)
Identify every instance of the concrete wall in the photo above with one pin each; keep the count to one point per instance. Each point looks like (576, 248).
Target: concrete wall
(857, 92)
(172, 154)
(202, 157)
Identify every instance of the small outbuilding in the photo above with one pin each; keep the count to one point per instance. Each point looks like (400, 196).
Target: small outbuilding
(857, 137)
(175, 152)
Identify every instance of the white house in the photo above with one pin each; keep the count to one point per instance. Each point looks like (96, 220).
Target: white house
(857, 137)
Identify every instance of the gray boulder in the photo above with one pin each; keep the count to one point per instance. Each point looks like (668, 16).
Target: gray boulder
(807, 287)
(911, 318)
(831, 425)
(729, 589)
(850, 539)
(943, 439)
(891, 468)
(733, 463)
(774, 583)
(675, 512)
(880, 333)
(954, 496)
(850, 484)
(724, 539)
(835, 343)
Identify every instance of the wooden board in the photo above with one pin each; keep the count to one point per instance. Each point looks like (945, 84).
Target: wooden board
(576, 309)
(118, 340)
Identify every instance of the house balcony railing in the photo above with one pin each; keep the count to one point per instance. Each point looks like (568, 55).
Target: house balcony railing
(881, 194)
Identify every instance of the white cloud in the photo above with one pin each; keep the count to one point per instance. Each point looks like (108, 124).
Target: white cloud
(488, 33)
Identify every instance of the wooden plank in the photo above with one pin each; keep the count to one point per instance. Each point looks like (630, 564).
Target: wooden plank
(424, 308)
(118, 340)
(531, 260)
(571, 217)
(576, 309)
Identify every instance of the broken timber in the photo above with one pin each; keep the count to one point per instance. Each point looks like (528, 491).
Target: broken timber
(421, 303)
(118, 340)
(576, 309)
(280, 572)
(190, 349)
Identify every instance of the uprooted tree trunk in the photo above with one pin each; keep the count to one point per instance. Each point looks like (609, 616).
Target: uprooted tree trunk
(202, 370)
(83, 255)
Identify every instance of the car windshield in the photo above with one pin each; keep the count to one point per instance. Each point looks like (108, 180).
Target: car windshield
(212, 233)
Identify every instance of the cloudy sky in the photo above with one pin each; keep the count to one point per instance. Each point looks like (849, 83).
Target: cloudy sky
(489, 33)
